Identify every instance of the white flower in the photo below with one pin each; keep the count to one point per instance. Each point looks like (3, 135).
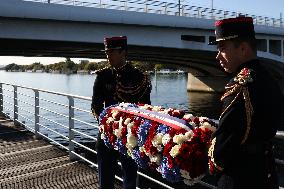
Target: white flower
(130, 125)
(127, 121)
(157, 140)
(156, 108)
(201, 119)
(188, 135)
(176, 111)
(146, 106)
(165, 111)
(208, 126)
(124, 105)
(166, 138)
(192, 123)
(156, 159)
(117, 132)
(180, 138)
(109, 120)
(114, 113)
(101, 129)
(175, 150)
(189, 116)
(102, 136)
(131, 141)
(120, 125)
(129, 152)
(141, 149)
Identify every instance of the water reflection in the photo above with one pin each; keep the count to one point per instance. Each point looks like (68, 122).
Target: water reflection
(169, 90)
(204, 104)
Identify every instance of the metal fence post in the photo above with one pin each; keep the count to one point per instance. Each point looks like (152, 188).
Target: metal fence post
(71, 127)
(1, 98)
(280, 19)
(125, 5)
(146, 6)
(15, 105)
(36, 113)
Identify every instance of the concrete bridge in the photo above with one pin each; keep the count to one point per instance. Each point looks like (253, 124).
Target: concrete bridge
(75, 29)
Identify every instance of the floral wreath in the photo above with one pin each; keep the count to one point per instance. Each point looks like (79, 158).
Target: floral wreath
(168, 140)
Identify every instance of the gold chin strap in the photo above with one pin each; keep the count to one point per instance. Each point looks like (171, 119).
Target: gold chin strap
(227, 38)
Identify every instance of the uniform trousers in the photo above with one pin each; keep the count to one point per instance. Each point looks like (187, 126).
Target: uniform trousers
(107, 161)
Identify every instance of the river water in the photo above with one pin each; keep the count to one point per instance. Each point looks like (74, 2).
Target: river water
(167, 90)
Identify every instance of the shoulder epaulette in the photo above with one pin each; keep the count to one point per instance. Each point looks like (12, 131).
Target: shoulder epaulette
(244, 76)
(242, 79)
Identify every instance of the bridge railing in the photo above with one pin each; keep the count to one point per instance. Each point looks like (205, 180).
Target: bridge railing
(62, 119)
(168, 8)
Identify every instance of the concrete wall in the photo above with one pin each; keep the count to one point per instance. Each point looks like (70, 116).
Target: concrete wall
(206, 83)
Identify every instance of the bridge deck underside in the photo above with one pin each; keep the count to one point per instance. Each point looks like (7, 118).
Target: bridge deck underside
(203, 61)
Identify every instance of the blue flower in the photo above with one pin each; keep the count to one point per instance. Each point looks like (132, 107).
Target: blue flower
(143, 132)
(142, 162)
(171, 174)
(121, 147)
(163, 129)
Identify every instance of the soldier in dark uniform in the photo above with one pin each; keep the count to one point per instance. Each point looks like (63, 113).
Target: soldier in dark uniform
(120, 82)
(240, 154)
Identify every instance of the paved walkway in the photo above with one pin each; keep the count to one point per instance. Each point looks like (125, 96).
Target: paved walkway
(29, 163)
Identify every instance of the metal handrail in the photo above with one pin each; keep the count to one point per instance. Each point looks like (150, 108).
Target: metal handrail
(71, 128)
(176, 9)
(72, 154)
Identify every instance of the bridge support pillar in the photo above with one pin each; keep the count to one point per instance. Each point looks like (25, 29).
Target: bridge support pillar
(267, 45)
(201, 83)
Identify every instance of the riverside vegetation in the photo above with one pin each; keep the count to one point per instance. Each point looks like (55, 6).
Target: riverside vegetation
(84, 66)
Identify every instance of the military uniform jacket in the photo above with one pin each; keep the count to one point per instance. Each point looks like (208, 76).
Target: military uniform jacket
(126, 84)
(249, 120)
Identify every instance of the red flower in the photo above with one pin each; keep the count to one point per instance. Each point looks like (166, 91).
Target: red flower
(196, 120)
(168, 148)
(171, 162)
(112, 139)
(134, 129)
(142, 154)
(115, 125)
(123, 135)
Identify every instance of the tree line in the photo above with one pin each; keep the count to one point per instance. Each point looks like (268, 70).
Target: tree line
(68, 66)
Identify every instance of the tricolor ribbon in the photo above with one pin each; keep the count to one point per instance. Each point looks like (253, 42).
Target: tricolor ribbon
(165, 119)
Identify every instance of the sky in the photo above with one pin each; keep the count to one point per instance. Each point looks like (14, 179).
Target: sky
(269, 8)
